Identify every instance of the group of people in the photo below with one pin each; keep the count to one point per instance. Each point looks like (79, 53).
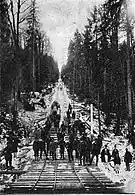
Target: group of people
(106, 157)
(84, 147)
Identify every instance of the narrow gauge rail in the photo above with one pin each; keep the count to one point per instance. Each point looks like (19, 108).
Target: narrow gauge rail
(60, 176)
(63, 177)
(34, 186)
(67, 180)
(95, 181)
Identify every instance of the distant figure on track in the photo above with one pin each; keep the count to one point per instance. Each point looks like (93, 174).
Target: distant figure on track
(37, 133)
(53, 147)
(42, 142)
(63, 127)
(82, 151)
(70, 151)
(70, 108)
(57, 121)
(62, 149)
(68, 117)
(36, 148)
(73, 114)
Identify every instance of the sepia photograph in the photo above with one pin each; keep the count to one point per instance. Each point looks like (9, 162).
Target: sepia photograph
(67, 97)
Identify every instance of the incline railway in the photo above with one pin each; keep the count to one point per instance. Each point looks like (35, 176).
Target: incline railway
(60, 175)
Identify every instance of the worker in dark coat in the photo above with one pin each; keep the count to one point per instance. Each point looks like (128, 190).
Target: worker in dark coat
(82, 152)
(7, 152)
(115, 151)
(88, 149)
(68, 117)
(105, 155)
(36, 148)
(127, 159)
(70, 151)
(81, 128)
(57, 121)
(71, 137)
(96, 147)
(70, 108)
(42, 141)
(73, 114)
(15, 142)
(53, 147)
(62, 149)
(117, 163)
(75, 145)
(63, 127)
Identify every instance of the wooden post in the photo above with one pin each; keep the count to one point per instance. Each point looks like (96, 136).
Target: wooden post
(99, 122)
(91, 118)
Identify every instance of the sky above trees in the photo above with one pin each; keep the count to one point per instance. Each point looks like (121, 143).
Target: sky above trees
(60, 18)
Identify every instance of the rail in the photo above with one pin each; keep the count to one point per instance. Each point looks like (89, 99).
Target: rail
(101, 183)
(77, 175)
(55, 172)
(33, 187)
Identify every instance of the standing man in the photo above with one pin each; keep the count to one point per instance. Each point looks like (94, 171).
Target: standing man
(96, 147)
(127, 159)
(7, 152)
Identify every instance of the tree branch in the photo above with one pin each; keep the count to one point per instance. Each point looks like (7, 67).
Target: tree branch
(25, 9)
(13, 24)
(23, 2)
(18, 18)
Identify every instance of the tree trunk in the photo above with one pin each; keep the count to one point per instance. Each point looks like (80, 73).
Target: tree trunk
(129, 87)
(33, 47)
(0, 58)
(104, 85)
(39, 53)
(118, 124)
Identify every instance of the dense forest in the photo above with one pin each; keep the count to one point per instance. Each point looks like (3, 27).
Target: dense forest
(26, 57)
(100, 67)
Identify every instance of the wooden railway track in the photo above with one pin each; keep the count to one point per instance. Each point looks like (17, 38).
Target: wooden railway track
(62, 177)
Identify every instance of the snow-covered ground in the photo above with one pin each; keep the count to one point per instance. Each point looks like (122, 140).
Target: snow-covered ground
(126, 179)
(25, 154)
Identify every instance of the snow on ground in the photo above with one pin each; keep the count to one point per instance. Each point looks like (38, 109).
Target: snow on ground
(125, 179)
(25, 154)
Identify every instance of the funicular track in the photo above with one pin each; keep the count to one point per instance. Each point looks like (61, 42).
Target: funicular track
(60, 176)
